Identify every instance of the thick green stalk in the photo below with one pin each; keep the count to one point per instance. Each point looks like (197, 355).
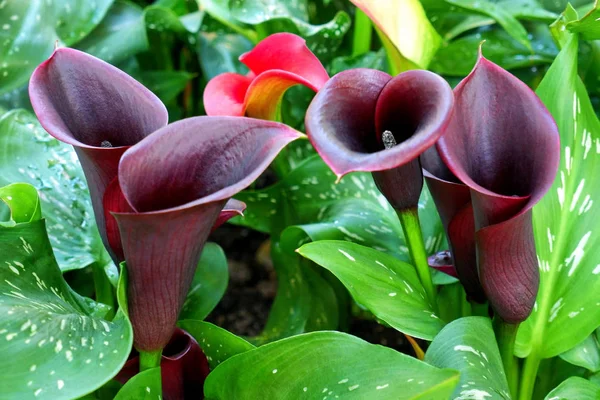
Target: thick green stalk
(409, 219)
(104, 290)
(363, 31)
(528, 375)
(506, 335)
(150, 359)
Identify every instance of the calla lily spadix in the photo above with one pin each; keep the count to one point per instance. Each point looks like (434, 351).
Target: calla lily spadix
(453, 201)
(176, 182)
(277, 63)
(503, 144)
(100, 111)
(366, 120)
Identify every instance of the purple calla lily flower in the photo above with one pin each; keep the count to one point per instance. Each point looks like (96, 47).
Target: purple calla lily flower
(366, 120)
(176, 182)
(100, 111)
(183, 368)
(503, 144)
(453, 201)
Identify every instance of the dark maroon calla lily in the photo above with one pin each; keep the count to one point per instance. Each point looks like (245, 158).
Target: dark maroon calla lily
(349, 118)
(442, 261)
(504, 145)
(453, 201)
(183, 368)
(176, 182)
(100, 111)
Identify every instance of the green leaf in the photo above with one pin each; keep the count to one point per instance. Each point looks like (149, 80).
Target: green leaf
(30, 155)
(469, 345)
(586, 354)
(31, 28)
(123, 20)
(387, 287)
(144, 386)
(500, 14)
(209, 284)
(217, 344)
(23, 201)
(567, 309)
(327, 364)
(457, 57)
(167, 85)
(273, 16)
(588, 26)
(54, 343)
(575, 388)
(219, 53)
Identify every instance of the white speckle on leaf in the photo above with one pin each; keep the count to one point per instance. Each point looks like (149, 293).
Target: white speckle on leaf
(348, 256)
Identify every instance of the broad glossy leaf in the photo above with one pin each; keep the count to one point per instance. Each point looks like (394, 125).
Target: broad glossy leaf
(124, 19)
(30, 30)
(575, 388)
(144, 386)
(292, 16)
(219, 53)
(404, 23)
(167, 85)
(457, 57)
(468, 345)
(217, 343)
(588, 26)
(327, 364)
(209, 284)
(568, 305)
(500, 14)
(586, 354)
(23, 201)
(387, 287)
(55, 345)
(30, 155)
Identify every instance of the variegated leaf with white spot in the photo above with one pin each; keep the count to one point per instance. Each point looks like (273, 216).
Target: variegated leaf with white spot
(30, 155)
(54, 343)
(567, 309)
(468, 345)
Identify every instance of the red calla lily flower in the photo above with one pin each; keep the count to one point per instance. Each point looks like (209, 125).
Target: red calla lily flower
(366, 120)
(277, 63)
(175, 183)
(503, 144)
(101, 111)
(183, 368)
(453, 201)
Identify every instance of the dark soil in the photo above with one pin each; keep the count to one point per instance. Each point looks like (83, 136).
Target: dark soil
(253, 284)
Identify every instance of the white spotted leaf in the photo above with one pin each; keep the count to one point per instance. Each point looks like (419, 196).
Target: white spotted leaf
(469, 346)
(386, 286)
(209, 283)
(144, 386)
(327, 364)
(217, 344)
(30, 155)
(53, 342)
(30, 29)
(586, 354)
(567, 309)
(575, 388)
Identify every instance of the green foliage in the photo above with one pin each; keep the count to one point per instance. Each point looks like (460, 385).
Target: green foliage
(144, 386)
(575, 388)
(469, 346)
(55, 343)
(327, 364)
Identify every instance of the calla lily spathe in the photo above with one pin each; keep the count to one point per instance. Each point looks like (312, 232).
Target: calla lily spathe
(503, 144)
(348, 117)
(277, 63)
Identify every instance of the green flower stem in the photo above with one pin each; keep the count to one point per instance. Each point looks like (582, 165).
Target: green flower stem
(104, 290)
(361, 41)
(505, 335)
(528, 375)
(409, 219)
(150, 359)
